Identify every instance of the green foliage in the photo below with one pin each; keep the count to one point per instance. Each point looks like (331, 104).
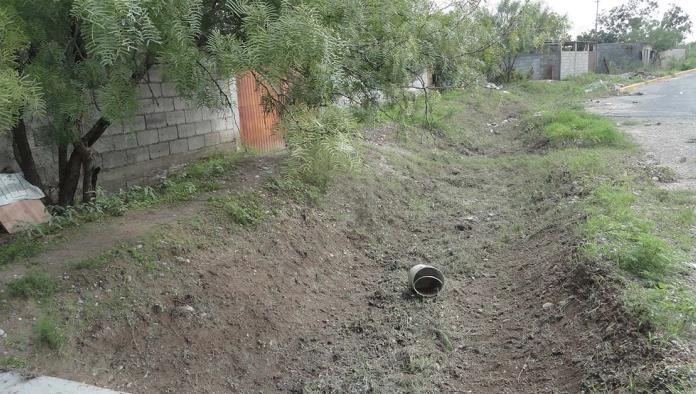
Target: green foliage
(639, 21)
(319, 142)
(580, 128)
(49, 333)
(244, 209)
(32, 284)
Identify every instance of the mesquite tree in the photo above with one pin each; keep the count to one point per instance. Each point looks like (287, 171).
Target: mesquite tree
(68, 60)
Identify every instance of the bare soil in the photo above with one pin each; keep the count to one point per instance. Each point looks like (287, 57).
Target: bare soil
(314, 299)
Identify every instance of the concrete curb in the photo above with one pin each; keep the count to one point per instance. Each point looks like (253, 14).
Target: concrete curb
(639, 84)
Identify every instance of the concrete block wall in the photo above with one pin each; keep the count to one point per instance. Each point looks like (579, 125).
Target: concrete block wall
(618, 56)
(574, 63)
(672, 55)
(166, 130)
(530, 64)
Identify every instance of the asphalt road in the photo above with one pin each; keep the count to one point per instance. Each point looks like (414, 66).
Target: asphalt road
(661, 118)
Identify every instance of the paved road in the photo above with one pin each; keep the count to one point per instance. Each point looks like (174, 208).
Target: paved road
(663, 121)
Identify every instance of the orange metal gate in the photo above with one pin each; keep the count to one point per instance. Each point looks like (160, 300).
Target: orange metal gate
(256, 125)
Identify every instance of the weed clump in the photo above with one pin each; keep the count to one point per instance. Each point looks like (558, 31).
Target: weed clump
(49, 333)
(580, 128)
(32, 284)
(244, 209)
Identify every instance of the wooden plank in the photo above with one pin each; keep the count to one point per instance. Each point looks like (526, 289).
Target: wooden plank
(16, 216)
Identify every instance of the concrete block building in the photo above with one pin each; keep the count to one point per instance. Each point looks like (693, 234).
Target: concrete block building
(558, 61)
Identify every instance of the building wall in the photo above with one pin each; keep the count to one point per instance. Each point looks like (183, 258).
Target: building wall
(574, 63)
(672, 55)
(167, 130)
(618, 56)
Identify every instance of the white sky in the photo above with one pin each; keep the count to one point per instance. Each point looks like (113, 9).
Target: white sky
(581, 13)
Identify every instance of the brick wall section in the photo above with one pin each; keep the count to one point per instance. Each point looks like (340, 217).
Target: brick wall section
(166, 130)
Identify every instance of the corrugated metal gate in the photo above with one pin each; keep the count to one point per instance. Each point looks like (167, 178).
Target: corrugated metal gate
(256, 125)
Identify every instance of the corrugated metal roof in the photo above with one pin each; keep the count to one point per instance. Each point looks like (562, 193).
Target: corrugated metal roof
(13, 188)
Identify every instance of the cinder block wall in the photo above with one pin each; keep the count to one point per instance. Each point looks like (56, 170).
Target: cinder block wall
(574, 63)
(618, 56)
(166, 131)
(530, 63)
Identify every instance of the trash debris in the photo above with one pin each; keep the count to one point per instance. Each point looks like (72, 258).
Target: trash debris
(491, 85)
(595, 85)
(184, 311)
(425, 280)
(20, 203)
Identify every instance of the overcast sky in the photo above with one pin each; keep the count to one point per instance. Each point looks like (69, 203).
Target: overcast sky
(582, 12)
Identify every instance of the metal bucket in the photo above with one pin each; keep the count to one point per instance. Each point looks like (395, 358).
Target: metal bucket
(425, 280)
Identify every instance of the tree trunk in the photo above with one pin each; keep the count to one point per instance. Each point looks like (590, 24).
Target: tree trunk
(82, 158)
(89, 174)
(23, 154)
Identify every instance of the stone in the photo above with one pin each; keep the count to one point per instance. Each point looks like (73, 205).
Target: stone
(682, 159)
(3, 334)
(547, 306)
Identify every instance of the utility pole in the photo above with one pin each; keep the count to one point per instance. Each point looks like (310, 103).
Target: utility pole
(596, 23)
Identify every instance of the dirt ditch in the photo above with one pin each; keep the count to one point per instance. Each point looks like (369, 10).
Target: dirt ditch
(314, 299)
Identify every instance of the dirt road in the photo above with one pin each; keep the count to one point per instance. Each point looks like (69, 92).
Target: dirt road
(661, 117)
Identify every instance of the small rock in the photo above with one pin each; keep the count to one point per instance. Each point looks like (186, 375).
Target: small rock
(547, 306)
(656, 179)
(682, 159)
(157, 308)
(3, 334)
(182, 259)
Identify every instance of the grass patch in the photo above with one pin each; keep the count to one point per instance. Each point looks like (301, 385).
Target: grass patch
(95, 262)
(49, 333)
(22, 246)
(244, 209)
(142, 257)
(580, 128)
(668, 307)
(32, 284)
(617, 232)
(12, 362)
